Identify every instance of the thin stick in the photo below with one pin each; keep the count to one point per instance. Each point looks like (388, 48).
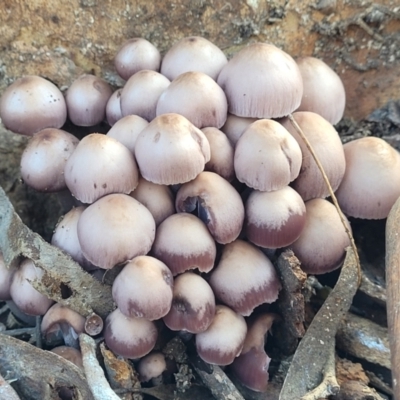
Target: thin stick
(334, 199)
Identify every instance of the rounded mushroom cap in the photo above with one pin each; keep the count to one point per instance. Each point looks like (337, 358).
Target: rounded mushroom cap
(171, 150)
(44, 158)
(274, 219)
(193, 53)
(224, 338)
(197, 97)
(115, 229)
(371, 183)
(235, 126)
(323, 90)
(5, 279)
(69, 353)
(193, 304)
(113, 108)
(31, 104)
(329, 149)
(134, 55)
(151, 366)
(267, 157)
(183, 242)
(322, 243)
(261, 81)
(129, 337)
(143, 289)
(87, 99)
(100, 165)
(218, 205)
(244, 278)
(141, 93)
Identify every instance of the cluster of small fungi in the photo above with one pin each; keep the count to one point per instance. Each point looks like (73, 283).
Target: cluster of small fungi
(201, 178)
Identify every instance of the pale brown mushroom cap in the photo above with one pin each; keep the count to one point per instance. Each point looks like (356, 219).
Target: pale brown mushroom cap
(171, 150)
(235, 126)
(267, 157)
(69, 353)
(261, 81)
(371, 183)
(100, 165)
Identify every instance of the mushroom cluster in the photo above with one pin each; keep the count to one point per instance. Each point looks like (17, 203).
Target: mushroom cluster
(200, 176)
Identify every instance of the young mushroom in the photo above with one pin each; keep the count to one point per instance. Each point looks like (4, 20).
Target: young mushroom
(151, 367)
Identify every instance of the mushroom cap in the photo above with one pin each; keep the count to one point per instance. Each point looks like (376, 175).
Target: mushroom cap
(235, 126)
(193, 304)
(129, 337)
(261, 81)
(244, 278)
(371, 183)
(134, 55)
(183, 242)
(69, 353)
(197, 97)
(31, 104)
(87, 99)
(323, 90)
(267, 157)
(5, 279)
(113, 108)
(151, 366)
(274, 219)
(171, 150)
(115, 229)
(218, 204)
(127, 129)
(322, 243)
(193, 53)
(224, 338)
(143, 289)
(44, 158)
(141, 93)
(100, 165)
(329, 149)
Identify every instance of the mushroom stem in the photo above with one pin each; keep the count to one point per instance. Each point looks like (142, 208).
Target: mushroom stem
(331, 194)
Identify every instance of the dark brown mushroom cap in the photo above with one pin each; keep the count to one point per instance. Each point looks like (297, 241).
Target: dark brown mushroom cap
(183, 242)
(134, 55)
(31, 104)
(141, 93)
(371, 183)
(274, 219)
(217, 202)
(197, 97)
(44, 158)
(329, 149)
(322, 243)
(100, 165)
(5, 279)
(244, 278)
(323, 90)
(267, 157)
(143, 289)
(193, 53)
(171, 150)
(115, 229)
(261, 81)
(129, 337)
(87, 99)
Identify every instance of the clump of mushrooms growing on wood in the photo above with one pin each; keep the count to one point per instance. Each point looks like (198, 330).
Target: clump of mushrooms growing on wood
(189, 199)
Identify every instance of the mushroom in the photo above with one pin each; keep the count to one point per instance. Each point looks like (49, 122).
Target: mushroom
(44, 158)
(113, 108)
(171, 150)
(183, 242)
(151, 367)
(31, 104)
(134, 55)
(115, 229)
(217, 203)
(143, 289)
(371, 183)
(197, 97)
(193, 304)
(235, 126)
(193, 53)
(69, 353)
(87, 99)
(224, 338)
(129, 337)
(261, 81)
(100, 165)
(244, 278)
(267, 157)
